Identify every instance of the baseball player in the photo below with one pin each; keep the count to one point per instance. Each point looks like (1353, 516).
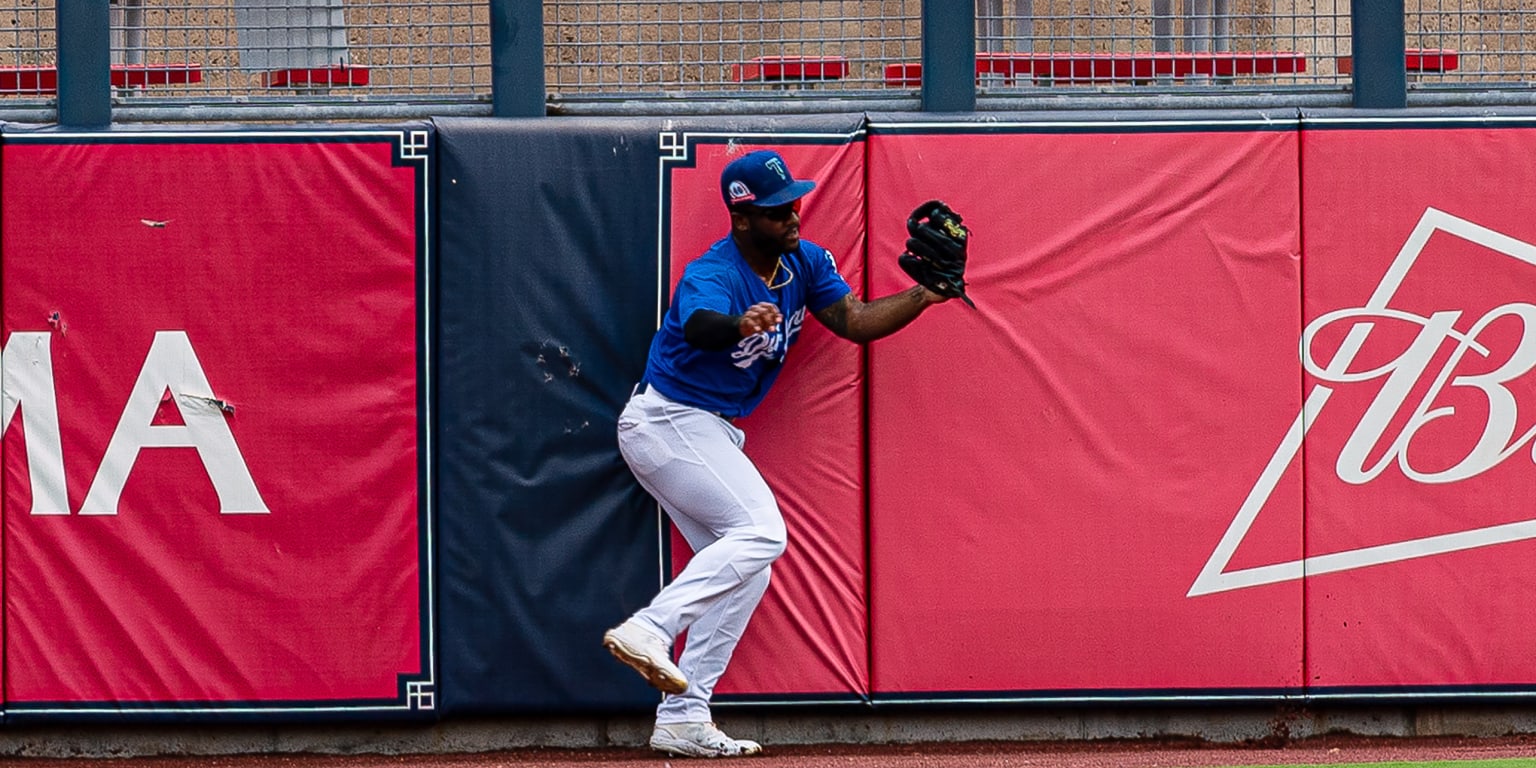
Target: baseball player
(736, 311)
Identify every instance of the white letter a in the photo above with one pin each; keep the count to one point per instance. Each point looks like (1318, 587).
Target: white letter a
(173, 365)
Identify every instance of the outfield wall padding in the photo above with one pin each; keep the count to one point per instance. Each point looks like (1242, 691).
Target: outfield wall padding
(809, 639)
(309, 423)
(1419, 471)
(1049, 471)
(548, 302)
(215, 480)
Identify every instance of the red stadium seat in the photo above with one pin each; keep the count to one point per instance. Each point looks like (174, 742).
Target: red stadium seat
(1096, 68)
(790, 69)
(320, 77)
(1418, 60)
(39, 79)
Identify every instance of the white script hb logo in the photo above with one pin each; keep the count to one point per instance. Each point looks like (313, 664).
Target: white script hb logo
(1440, 407)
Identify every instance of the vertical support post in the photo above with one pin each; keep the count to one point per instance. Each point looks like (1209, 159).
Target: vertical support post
(517, 58)
(949, 56)
(1379, 55)
(84, 34)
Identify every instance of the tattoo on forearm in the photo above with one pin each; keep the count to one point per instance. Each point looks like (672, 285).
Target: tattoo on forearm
(835, 317)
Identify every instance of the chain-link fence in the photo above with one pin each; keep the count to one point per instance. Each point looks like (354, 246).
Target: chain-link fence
(282, 51)
(744, 47)
(27, 48)
(432, 53)
(618, 47)
(1494, 42)
(623, 46)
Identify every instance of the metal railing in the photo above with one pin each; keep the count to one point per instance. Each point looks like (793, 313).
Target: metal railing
(300, 59)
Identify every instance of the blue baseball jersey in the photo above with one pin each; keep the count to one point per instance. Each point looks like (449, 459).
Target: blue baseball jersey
(732, 382)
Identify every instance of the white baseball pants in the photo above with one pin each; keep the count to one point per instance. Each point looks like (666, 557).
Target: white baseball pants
(692, 463)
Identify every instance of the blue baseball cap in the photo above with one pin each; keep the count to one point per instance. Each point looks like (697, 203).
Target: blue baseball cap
(761, 179)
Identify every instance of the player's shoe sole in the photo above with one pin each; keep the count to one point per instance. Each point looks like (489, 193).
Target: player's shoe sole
(642, 657)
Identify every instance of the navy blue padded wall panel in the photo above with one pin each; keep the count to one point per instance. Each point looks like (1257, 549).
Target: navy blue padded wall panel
(548, 300)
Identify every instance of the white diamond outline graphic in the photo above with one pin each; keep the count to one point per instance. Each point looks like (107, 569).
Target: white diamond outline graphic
(1214, 576)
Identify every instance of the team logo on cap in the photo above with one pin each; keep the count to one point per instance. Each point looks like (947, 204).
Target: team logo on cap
(778, 167)
(739, 192)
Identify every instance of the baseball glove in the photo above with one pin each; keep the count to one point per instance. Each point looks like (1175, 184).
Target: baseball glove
(936, 251)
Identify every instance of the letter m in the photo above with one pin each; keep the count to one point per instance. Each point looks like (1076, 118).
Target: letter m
(26, 382)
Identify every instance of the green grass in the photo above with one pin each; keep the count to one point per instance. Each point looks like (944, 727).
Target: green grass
(1508, 762)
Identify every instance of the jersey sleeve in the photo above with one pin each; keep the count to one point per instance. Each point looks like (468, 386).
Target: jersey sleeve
(702, 288)
(827, 286)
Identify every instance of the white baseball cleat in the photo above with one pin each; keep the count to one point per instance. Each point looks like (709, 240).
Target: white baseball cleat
(646, 652)
(700, 740)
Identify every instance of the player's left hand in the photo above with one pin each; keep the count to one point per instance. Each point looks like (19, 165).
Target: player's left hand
(930, 297)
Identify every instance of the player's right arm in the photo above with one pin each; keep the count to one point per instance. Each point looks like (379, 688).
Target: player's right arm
(710, 330)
